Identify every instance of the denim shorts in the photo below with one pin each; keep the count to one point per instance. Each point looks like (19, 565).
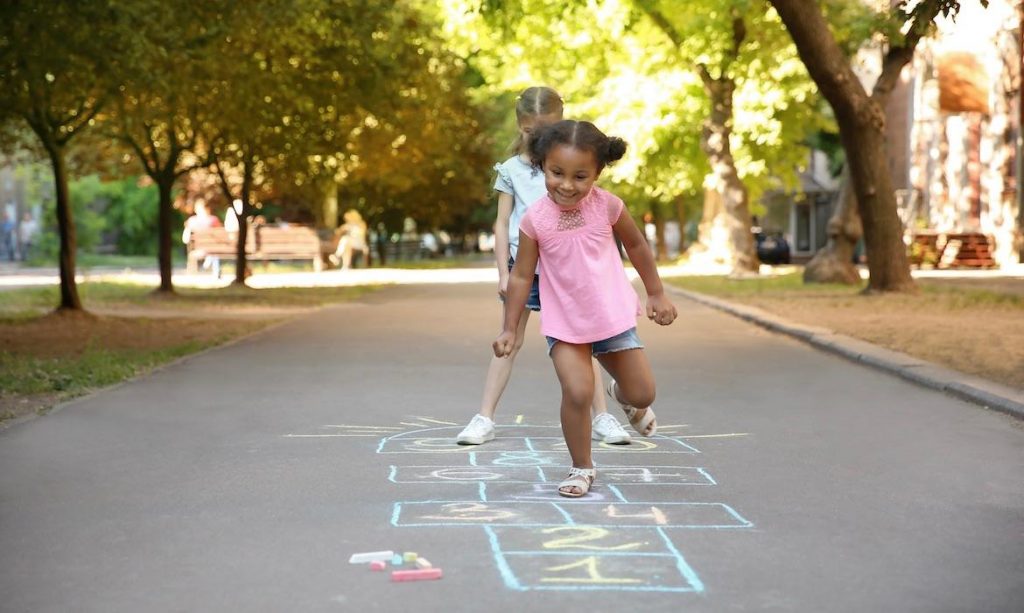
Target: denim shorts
(533, 300)
(619, 342)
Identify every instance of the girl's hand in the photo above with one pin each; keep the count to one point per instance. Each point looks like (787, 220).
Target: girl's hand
(503, 344)
(503, 286)
(660, 309)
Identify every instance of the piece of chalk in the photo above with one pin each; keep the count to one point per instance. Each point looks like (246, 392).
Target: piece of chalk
(416, 575)
(396, 560)
(410, 556)
(423, 563)
(370, 556)
(378, 565)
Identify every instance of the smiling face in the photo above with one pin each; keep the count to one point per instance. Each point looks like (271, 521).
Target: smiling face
(569, 173)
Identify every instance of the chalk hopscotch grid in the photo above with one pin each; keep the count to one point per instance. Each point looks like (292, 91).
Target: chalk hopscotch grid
(537, 453)
(507, 459)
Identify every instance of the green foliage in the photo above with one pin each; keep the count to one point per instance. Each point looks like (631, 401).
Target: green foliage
(617, 66)
(122, 213)
(354, 98)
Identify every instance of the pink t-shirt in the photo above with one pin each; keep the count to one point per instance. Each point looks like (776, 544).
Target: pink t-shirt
(584, 293)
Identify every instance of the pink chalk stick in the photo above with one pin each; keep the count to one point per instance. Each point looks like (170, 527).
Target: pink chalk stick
(378, 565)
(416, 575)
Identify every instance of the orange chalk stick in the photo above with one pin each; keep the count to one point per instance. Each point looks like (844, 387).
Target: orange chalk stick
(424, 574)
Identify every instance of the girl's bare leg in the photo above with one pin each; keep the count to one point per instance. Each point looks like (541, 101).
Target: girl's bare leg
(575, 374)
(633, 377)
(499, 371)
(600, 404)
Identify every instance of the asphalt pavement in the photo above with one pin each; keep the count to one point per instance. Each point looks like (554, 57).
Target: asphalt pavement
(782, 478)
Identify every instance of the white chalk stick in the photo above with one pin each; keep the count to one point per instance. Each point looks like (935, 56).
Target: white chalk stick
(423, 563)
(371, 556)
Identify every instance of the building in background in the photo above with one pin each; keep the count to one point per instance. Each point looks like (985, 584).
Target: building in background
(954, 128)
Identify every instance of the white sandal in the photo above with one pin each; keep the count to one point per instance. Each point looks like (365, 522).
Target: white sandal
(580, 478)
(645, 425)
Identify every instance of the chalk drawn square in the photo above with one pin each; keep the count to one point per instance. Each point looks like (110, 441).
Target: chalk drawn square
(471, 513)
(447, 444)
(692, 515)
(580, 539)
(546, 491)
(646, 475)
(656, 571)
(656, 444)
(465, 474)
(649, 573)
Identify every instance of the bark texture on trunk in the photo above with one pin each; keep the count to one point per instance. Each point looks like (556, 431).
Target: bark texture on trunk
(69, 299)
(725, 228)
(861, 120)
(241, 262)
(164, 217)
(833, 263)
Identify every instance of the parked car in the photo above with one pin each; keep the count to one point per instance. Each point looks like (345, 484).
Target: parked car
(772, 247)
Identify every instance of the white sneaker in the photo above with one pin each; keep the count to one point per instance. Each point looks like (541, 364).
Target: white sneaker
(607, 429)
(479, 430)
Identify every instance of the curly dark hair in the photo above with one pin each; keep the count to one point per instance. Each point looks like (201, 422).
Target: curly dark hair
(582, 135)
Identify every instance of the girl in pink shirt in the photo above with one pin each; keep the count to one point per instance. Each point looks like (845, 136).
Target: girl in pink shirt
(590, 308)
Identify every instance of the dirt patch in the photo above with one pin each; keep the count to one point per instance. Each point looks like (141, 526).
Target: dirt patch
(980, 340)
(59, 356)
(59, 335)
(971, 324)
(13, 406)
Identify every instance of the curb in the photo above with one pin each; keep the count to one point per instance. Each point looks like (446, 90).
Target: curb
(980, 391)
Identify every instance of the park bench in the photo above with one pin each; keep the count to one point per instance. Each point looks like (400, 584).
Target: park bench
(213, 242)
(287, 243)
(951, 249)
(263, 243)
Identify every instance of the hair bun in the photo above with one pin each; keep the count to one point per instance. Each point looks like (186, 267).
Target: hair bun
(616, 148)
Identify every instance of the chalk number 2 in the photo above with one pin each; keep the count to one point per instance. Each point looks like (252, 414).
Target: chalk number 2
(584, 534)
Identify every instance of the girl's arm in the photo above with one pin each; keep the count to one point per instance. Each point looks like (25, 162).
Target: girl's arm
(519, 285)
(502, 251)
(659, 308)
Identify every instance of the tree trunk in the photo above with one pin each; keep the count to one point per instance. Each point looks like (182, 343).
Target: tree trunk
(681, 216)
(888, 266)
(69, 299)
(833, 263)
(861, 122)
(241, 262)
(165, 244)
(660, 248)
(329, 210)
(725, 235)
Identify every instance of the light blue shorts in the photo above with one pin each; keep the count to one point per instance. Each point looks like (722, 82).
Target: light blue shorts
(619, 342)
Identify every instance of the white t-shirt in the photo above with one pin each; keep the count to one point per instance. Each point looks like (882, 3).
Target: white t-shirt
(526, 185)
